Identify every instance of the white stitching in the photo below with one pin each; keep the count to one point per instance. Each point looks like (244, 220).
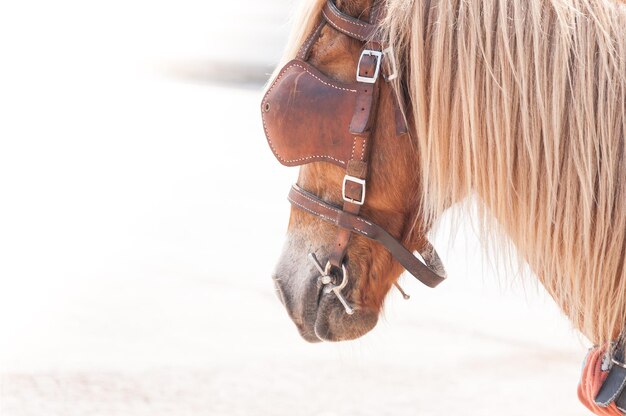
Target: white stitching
(333, 24)
(311, 211)
(317, 214)
(361, 157)
(312, 37)
(265, 126)
(362, 220)
(313, 75)
(363, 150)
(269, 140)
(319, 203)
(332, 209)
(344, 19)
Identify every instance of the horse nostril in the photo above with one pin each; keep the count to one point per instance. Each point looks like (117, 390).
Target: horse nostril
(266, 107)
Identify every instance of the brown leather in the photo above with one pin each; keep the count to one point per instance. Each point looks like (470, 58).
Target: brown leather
(402, 126)
(306, 117)
(362, 226)
(362, 119)
(309, 117)
(305, 49)
(339, 250)
(348, 25)
(366, 96)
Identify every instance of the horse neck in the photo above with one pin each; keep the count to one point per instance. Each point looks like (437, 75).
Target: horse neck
(523, 104)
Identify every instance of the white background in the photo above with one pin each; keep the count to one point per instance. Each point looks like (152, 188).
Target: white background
(141, 214)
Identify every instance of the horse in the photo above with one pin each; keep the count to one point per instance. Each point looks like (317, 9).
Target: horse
(517, 106)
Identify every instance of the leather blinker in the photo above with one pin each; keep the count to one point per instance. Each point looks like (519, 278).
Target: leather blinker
(306, 116)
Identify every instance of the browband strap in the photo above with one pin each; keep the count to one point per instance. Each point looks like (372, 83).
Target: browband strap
(357, 224)
(346, 24)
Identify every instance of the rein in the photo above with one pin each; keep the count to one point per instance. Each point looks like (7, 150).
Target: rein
(309, 117)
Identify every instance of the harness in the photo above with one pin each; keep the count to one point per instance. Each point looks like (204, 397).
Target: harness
(602, 387)
(310, 117)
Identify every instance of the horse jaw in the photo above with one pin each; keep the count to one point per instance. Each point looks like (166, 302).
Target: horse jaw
(318, 316)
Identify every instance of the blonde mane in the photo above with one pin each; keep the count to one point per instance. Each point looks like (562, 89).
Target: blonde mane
(522, 104)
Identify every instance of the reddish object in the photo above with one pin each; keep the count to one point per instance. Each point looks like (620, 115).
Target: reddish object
(591, 381)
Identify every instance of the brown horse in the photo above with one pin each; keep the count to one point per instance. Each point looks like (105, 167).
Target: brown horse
(518, 105)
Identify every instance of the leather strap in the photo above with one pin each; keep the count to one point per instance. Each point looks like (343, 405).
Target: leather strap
(347, 24)
(362, 226)
(363, 31)
(612, 390)
(364, 111)
(402, 126)
(356, 168)
(305, 49)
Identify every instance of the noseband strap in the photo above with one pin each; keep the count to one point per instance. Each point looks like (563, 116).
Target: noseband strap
(362, 226)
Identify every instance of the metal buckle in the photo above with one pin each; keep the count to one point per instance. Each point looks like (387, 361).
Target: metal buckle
(373, 78)
(388, 54)
(354, 180)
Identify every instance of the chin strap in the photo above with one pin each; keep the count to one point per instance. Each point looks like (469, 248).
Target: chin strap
(430, 274)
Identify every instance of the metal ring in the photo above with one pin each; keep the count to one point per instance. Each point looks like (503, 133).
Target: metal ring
(327, 268)
(344, 272)
(618, 363)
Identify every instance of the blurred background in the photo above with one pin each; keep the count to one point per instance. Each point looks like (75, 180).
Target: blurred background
(133, 280)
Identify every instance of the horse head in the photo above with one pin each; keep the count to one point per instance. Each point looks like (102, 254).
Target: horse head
(368, 271)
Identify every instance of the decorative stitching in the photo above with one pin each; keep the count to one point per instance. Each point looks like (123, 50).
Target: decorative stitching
(360, 231)
(333, 11)
(332, 209)
(313, 75)
(333, 24)
(319, 203)
(363, 150)
(317, 214)
(310, 211)
(362, 220)
(361, 156)
(310, 40)
(265, 125)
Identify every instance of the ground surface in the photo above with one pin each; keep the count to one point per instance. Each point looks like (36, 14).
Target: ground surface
(134, 282)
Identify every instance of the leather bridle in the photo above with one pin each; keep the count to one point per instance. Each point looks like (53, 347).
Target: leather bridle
(285, 97)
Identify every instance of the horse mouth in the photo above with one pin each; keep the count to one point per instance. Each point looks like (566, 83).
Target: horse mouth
(320, 316)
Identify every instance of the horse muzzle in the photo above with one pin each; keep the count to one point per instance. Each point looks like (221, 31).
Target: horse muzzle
(319, 301)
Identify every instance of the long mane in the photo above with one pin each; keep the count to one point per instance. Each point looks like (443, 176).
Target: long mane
(522, 104)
